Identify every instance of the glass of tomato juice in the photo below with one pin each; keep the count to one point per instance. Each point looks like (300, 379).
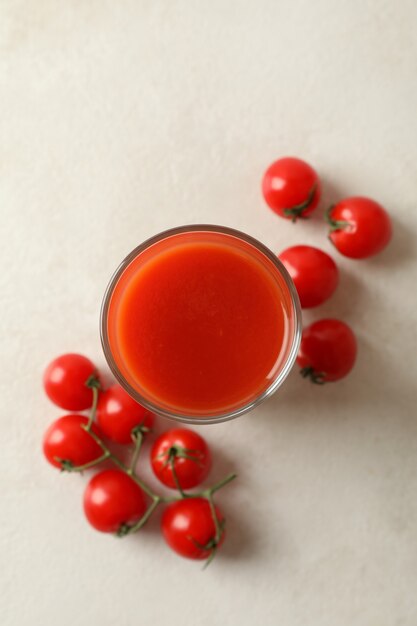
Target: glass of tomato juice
(200, 323)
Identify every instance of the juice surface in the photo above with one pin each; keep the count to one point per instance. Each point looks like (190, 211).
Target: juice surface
(200, 327)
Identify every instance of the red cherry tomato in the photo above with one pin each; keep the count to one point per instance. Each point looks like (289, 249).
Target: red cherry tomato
(291, 188)
(113, 502)
(66, 443)
(360, 227)
(314, 273)
(187, 452)
(189, 529)
(65, 380)
(118, 414)
(327, 351)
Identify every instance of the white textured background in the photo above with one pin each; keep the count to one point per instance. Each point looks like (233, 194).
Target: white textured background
(120, 119)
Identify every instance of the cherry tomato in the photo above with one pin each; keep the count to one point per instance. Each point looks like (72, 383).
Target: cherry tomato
(118, 414)
(65, 443)
(187, 452)
(189, 529)
(291, 188)
(65, 380)
(113, 502)
(327, 351)
(314, 273)
(359, 227)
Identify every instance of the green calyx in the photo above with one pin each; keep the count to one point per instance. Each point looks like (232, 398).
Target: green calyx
(66, 465)
(139, 430)
(318, 378)
(93, 381)
(123, 530)
(213, 543)
(296, 212)
(183, 453)
(335, 224)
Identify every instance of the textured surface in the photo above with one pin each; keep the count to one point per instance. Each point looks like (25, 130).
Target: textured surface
(120, 119)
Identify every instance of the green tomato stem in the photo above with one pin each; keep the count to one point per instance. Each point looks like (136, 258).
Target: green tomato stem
(137, 437)
(114, 459)
(94, 385)
(175, 477)
(222, 483)
(219, 526)
(145, 516)
(137, 442)
(66, 466)
(215, 519)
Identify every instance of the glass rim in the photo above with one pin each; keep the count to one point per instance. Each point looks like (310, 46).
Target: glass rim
(283, 371)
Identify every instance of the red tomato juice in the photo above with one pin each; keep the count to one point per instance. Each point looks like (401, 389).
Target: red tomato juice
(198, 323)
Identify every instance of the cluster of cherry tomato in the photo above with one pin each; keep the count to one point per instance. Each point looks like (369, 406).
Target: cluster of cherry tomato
(116, 499)
(359, 228)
